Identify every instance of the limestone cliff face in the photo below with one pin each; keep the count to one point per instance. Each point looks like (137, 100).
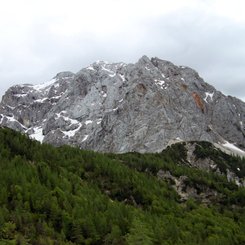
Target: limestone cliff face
(125, 107)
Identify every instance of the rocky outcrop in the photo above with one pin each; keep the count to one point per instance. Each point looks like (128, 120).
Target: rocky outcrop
(186, 191)
(210, 158)
(125, 107)
(204, 156)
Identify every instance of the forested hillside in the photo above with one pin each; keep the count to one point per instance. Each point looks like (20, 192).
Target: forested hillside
(69, 196)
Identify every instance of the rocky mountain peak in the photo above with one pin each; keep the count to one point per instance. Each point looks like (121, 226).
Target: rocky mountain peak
(64, 75)
(118, 107)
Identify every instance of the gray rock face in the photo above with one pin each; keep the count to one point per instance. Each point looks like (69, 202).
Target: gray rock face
(125, 107)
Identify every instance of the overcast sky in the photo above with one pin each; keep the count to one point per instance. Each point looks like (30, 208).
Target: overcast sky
(43, 37)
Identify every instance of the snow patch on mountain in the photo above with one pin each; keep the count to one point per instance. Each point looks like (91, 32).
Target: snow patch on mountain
(38, 134)
(85, 138)
(44, 85)
(20, 95)
(208, 95)
(232, 147)
(71, 133)
(88, 122)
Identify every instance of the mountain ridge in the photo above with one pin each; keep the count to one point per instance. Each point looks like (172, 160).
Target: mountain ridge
(118, 107)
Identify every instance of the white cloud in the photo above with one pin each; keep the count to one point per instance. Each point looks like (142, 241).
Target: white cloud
(40, 38)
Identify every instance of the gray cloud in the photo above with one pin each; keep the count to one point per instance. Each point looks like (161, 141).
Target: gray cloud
(212, 45)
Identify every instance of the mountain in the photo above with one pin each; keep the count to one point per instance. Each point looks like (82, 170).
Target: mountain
(64, 195)
(142, 107)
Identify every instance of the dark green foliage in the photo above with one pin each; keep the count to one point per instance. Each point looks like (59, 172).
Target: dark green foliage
(69, 196)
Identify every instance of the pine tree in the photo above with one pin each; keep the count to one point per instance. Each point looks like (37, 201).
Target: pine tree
(140, 233)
